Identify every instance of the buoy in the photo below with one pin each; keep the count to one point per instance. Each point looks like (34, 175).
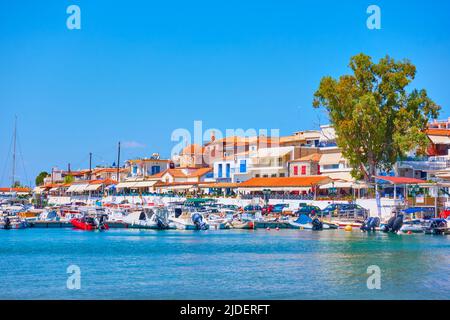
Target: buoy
(268, 229)
(278, 229)
(348, 228)
(409, 232)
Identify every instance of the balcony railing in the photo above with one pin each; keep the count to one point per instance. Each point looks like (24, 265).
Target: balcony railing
(439, 163)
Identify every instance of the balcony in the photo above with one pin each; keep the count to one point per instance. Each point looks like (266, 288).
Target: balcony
(432, 164)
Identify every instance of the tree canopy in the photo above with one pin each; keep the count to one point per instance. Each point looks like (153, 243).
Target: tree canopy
(69, 179)
(40, 178)
(377, 120)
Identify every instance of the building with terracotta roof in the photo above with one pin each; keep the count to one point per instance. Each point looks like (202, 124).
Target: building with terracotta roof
(192, 156)
(147, 166)
(305, 166)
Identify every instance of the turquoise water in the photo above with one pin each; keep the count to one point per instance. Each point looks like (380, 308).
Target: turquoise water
(234, 264)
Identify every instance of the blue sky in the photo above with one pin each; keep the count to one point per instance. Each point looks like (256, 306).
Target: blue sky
(137, 70)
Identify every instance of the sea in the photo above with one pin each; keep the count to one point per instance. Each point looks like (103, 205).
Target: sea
(124, 264)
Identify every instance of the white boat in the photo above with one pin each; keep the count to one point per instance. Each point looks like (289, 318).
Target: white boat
(217, 223)
(305, 222)
(155, 218)
(190, 221)
(49, 215)
(415, 226)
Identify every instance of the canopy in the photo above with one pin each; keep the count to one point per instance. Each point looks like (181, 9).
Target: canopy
(77, 188)
(440, 139)
(124, 185)
(417, 209)
(144, 184)
(93, 187)
(400, 180)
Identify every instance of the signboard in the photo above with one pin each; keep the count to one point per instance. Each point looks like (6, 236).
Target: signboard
(420, 199)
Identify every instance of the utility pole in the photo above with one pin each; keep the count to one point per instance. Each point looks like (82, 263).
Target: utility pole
(118, 164)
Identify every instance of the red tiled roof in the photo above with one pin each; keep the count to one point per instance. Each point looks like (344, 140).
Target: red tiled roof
(22, 190)
(438, 132)
(314, 157)
(285, 182)
(400, 180)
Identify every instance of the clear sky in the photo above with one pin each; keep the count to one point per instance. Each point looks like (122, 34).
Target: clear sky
(137, 70)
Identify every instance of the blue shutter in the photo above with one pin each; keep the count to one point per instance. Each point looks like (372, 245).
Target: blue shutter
(243, 166)
(228, 170)
(219, 174)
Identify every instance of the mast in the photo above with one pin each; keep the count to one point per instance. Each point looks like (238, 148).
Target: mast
(13, 177)
(90, 166)
(118, 164)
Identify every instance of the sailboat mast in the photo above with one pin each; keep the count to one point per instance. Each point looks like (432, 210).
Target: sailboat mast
(118, 164)
(13, 177)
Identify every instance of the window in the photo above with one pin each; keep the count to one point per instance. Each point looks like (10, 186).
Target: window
(257, 175)
(274, 175)
(156, 170)
(219, 170)
(228, 170)
(243, 166)
(282, 175)
(303, 170)
(135, 168)
(295, 170)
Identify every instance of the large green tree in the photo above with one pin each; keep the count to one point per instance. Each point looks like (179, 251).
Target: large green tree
(40, 178)
(378, 118)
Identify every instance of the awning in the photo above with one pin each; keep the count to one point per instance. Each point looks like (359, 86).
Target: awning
(440, 139)
(125, 185)
(341, 176)
(337, 184)
(93, 187)
(72, 188)
(330, 158)
(145, 184)
(77, 188)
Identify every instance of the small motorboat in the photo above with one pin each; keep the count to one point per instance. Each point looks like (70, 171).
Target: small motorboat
(11, 223)
(246, 225)
(154, 218)
(413, 226)
(89, 223)
(218, 223)
(308, 223)
(190, 221)
(437, 226)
